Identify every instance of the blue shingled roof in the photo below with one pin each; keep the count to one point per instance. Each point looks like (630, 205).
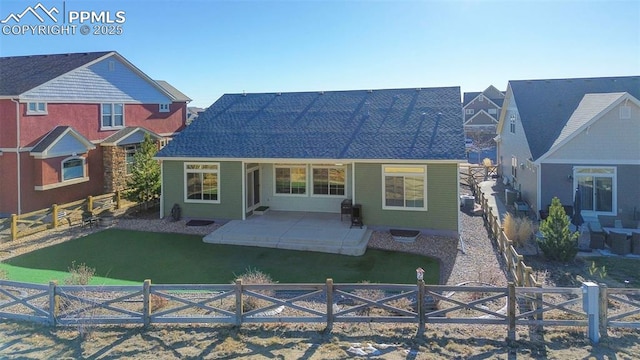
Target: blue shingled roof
(362, 124)
(545, 106)
(22, 73)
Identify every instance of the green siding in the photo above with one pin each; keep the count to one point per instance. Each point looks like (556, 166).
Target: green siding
(442, 199)
(230, 178)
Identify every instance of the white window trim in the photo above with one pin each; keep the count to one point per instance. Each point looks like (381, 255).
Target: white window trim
(469, 111)
(102, 127)
(209, 171)
(512, 123)
(164, 107)
(480, 97)
(84, 168)
(492, 111)
(291, 166)
(36, 111)
(344, 168)
(404, 208)
(614, 192)
(61, 184)
(625, 112)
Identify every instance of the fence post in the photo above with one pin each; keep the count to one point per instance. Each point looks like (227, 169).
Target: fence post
(54, 216)
(238, 302)
(53, 303)
(118, 200)
(14, 227)
(603, 308)
(146, 303)
(90, 203)
(420, 305)
(511, 311)
(329, 290)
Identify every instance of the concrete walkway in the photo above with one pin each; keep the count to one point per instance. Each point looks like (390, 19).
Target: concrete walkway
(308, 231)
(498, 208)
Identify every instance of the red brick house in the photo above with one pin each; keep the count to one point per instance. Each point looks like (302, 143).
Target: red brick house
(70, 124)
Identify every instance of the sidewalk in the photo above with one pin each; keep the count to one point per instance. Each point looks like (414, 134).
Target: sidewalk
(498, 208)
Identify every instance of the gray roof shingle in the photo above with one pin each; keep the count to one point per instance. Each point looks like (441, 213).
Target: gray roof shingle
(545, 106)
(361, 124)
(19, 74)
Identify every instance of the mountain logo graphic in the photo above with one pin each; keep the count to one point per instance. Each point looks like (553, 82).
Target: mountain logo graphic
(35, 12)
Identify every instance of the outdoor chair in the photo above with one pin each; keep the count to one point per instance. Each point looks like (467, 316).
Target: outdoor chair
(89, 219)
(635, 243)
(620, 243)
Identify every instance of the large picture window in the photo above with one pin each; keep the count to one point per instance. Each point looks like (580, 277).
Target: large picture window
(112, 116)
(202, 182)
(291, 179)
(329, 180)
(598, 189)
(72, 168)
(404, 187)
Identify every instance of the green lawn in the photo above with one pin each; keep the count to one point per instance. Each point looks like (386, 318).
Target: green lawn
(132, 256)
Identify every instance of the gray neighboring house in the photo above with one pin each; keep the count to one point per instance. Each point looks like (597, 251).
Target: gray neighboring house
(395, 152)
(558, 135)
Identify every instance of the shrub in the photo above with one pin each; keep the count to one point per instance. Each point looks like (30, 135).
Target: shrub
(256, 277)
(79, 274)
(558, 243)
(518, 230)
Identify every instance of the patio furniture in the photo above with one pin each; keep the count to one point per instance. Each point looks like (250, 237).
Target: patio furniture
(596, 236)
(345, 208)
(356, 216)
(635, 243)
(521, 207)
(620, 243)
(89, 219)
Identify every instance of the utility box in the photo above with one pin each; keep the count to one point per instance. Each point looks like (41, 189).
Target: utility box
(590, 305)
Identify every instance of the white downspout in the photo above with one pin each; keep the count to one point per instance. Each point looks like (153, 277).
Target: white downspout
(353, 182)
(161, 215)
(18, 168)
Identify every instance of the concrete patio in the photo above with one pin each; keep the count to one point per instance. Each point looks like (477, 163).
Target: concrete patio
(308, 231)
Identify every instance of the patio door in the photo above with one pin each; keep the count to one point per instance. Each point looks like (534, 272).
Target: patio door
(253, 188)
(597, 187)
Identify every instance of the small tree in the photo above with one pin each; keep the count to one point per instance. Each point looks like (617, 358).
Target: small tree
(144, 183)
(558, 243)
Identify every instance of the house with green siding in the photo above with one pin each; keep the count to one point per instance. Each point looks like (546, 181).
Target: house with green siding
(395, 152)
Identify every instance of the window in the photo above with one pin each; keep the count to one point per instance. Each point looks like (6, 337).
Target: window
(36, 108)
(72, 168)
(468, 111)
(480, 97)
(201, 182)
(329, 180)
(598, 189)
(291, 180)
(404, 187)
(493, 111)
(112, 116)
(514, 166)
(512, 123)
(130, 152)
(164, 107)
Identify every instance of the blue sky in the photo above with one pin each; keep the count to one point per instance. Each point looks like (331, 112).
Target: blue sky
(208, 48)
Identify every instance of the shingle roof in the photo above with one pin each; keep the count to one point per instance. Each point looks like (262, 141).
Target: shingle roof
(19, 74)
(545, 106)
(118, 137)
(361, 124)
(177, 94)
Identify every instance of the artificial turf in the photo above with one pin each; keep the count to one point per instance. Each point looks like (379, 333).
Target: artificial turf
(133, 256)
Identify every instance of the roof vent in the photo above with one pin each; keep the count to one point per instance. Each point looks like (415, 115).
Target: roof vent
(244, 93)
(321, 92)
(279, 94)
(369, 91)
(418, 89)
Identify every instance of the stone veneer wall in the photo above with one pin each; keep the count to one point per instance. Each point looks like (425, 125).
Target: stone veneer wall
(115, 168)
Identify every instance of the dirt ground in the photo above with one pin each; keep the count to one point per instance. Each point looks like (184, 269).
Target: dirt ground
(28, 341)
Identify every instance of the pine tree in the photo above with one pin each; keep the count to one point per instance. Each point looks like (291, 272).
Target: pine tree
(558, 243)
(144, 183)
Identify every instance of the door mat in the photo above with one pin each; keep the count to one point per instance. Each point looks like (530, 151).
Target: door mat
(199, 222)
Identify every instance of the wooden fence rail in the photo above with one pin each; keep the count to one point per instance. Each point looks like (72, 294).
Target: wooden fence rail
(328, 303)
(70, 213)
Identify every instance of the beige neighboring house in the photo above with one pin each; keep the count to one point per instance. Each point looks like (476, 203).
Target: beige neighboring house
(481, 111)
(556, 136)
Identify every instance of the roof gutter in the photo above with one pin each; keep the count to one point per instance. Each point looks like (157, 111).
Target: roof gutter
(18, 168)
